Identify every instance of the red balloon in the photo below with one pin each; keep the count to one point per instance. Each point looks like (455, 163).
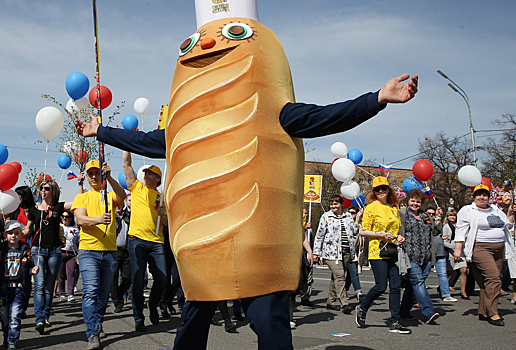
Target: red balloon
(423, 170)
(336, 159)
(40, 179)
(8, 177)
(81, 156)
(105, 97)
(485, 181)
(17, 166)
(347, 202)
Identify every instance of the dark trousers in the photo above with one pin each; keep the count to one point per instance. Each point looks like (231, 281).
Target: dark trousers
(173, 282)
(267, 316)
(123, 270)
(385, 270)
(67, 273)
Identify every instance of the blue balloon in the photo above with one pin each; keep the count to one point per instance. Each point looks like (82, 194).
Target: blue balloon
(411, 183)
(130, 122)
(77, 85)
(121, 180)
(355, 156)
(359, 202)
(4, 154)
(64, 162)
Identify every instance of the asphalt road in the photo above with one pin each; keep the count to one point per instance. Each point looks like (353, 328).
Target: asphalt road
(457, 328)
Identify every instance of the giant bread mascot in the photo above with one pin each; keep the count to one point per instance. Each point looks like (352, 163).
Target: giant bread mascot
(235, 165)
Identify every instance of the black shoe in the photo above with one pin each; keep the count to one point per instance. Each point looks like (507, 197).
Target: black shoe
(360, 316)
(482, 318)
(40, 327)
(408, 317)
(140, 326)
(154, 315)
(119, 309)
(230, 327)
(165, 314)
(215, 322)
(396, 327)
(464, 297)
(306, 302)
(172, 310)
(347, 309)
(332, 307)
(433, 317)
(238, 316)
(498, 322)
(439, 291)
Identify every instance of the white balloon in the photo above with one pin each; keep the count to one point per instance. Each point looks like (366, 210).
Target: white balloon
(70, 147)
(469, 176)
(140, 174)
(350, 190)
(343, 169)
(339, 150)
(77, 105)
(142, 106)
(9, 201)
(49, 122)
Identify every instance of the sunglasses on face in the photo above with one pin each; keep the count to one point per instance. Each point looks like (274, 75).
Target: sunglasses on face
(45, 188)
(65, 217)
(430, 213)
(352, 212)
(381, 188)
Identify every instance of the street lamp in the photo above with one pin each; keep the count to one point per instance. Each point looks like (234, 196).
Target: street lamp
(463, 94)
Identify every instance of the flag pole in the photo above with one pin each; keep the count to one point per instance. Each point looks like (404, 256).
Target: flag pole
(103, 178)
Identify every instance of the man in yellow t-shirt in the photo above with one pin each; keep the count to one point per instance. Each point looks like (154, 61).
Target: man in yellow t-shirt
(97, 247)
(145, 243)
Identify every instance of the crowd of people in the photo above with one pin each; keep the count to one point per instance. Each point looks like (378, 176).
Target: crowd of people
(114, 252)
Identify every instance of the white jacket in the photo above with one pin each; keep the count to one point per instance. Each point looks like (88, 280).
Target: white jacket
(467, 228)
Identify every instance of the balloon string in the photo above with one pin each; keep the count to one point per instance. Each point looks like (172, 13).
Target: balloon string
(365, 171)
(143, 157)
(61, 177)
(46, 152)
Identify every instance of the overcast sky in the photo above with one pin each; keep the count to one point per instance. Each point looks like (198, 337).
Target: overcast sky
(337, 50)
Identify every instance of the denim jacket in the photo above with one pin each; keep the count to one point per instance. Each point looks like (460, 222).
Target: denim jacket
(327, 243)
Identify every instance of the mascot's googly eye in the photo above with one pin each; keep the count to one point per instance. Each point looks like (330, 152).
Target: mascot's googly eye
(237, 31)
(188, 44)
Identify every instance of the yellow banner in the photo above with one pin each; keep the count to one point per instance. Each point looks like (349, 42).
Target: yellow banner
(163, 117)
(313, 188)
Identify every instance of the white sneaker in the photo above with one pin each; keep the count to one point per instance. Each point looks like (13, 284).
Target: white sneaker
(292, 325)
(62, 298)
(450, 299)
(71, 298)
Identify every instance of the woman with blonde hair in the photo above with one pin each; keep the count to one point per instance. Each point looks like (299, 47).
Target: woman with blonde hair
(46, 248)
(381, 223)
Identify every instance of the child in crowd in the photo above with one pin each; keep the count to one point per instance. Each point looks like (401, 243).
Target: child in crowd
(16, 264)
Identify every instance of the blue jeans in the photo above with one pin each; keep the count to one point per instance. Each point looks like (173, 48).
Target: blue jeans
(97, 270)
(384, 270)
(141, 253)
(49, 262)
(267, 315)
(353, 274)
(417, 276)
(440, 267)
(13, 300)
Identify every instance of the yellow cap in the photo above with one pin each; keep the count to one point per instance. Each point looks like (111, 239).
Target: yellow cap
(380, 180)
(154, 169)
(481, 187)
(92, 164)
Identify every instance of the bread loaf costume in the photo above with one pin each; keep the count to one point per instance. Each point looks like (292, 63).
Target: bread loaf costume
(234, 186)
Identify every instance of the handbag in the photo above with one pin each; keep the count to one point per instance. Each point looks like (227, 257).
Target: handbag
(388, 250)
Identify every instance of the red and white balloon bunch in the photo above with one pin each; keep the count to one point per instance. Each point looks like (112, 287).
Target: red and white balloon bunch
(9, 173)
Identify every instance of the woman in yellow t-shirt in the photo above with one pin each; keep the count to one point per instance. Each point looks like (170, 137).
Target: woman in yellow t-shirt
(381, 223)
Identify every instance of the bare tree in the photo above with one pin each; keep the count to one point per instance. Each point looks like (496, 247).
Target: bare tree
(447, 155)
(502, 152)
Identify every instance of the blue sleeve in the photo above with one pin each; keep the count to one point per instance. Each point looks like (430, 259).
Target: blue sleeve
(149, 144)
(308, 120)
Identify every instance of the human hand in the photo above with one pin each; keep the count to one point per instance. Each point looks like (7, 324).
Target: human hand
(311, 259)
(445, 236)
(80, 178)
(161, 210)
(35, 270)
(452, 201)
(308, 225)
(87, 129)
(105, 219)
(106, 170)
(457, 254)
(316, 258)
(395, 92)
(388, 236)
(401, 239)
